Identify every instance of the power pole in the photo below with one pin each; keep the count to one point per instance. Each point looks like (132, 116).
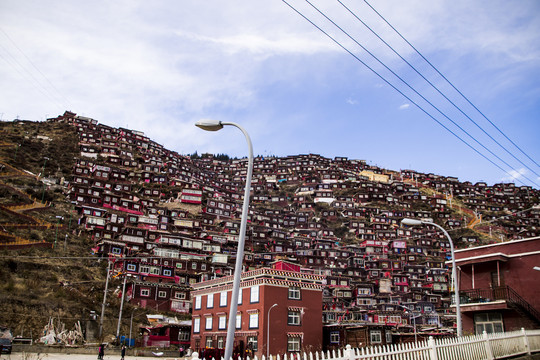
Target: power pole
(104, 300)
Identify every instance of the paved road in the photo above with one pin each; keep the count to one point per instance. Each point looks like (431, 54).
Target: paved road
(53, 356)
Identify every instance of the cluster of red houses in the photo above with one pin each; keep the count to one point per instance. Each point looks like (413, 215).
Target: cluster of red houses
(336, 222)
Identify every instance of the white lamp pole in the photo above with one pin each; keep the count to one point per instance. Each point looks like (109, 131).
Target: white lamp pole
(213, 125)
(268, 332)
(413, 319)
(413, 222)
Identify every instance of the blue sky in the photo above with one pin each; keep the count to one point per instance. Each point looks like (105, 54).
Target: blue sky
(160, 66)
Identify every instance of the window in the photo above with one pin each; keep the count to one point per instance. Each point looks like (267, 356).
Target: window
(238, 321)
(162, 294)
(144, 269)
(196, 325)
(183, 335)
(254, 295)
(254, 321)
(210, 301)
(488, 322)
(375, 336)
(179, 295)
(167, 272)
(208, 324)
(131, 267)
(145, 292)
(334, 337)
(294, 293)
(197, 302)
(293, 344)
(194, 266)
(178, 265)
(240, 296)
(252, 343)
(388, 335)
(222, 322)
(209, 342)
(293, 318)
(223, 299)
(221, 342)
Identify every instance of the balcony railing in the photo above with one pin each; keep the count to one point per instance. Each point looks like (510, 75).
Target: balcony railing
(506, 293)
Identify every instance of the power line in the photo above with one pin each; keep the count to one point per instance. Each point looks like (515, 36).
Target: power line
(450, 83)
(415, 91)
(401, 92)
(29, 76)
(435, 87)
(35, 67)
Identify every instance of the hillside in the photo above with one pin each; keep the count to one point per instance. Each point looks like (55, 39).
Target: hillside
(74, 193)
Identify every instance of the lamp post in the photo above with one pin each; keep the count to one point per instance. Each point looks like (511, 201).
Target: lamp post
(213, 125)
(43, 170)
(57, 223)
(413, 319)
(413, 222)
(268, 332)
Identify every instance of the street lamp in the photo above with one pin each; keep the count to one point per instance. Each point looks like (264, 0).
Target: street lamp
(57, 223)
(268, 332)
(413, 319)
(414, 222)
(214, 125)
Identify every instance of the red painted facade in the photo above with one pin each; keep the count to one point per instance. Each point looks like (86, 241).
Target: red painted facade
(499, 286)
(295, 323)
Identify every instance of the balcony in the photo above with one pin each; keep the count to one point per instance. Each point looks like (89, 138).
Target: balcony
(496, 298)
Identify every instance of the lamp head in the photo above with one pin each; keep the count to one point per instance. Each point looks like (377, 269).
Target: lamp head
(411, 222)
(209, 125)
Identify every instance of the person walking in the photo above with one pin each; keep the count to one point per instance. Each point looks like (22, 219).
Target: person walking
(123, 351)
(101, 352)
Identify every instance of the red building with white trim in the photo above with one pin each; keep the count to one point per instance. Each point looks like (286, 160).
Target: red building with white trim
(295, 323)
(499, 286)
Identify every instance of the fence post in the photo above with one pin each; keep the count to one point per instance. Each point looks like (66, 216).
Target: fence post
(487, 345)
(349, 353)
(432, 349)
(526, 341)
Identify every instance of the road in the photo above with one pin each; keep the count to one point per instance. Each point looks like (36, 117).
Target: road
(56, 356)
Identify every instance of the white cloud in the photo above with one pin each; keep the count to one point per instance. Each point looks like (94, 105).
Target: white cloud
(404, 106)
(514, 175)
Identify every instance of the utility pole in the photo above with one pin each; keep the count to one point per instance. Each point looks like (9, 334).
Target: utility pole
(121, 306)
(104, 300)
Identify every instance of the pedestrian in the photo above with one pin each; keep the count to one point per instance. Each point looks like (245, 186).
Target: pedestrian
(123, 352)
(101, 352)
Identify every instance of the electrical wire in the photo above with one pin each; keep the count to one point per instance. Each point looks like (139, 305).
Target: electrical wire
(399, 91)
(415, 91)
(35, 67)
(450, 83)
(435, 87)
(29, 76)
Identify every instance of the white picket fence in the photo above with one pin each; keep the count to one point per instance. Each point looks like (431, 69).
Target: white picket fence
(475, 347)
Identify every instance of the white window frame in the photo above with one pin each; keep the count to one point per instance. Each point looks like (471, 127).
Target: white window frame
(198, 302)
(254, 320)
(375, 336)
(238, 321)
(222, 322)
(196, 325)
(294, 293)
(223, 299)
(254, 294)
(145, 292)
(294, 343)
(208, 323)
(210, 301)
(293, 318)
